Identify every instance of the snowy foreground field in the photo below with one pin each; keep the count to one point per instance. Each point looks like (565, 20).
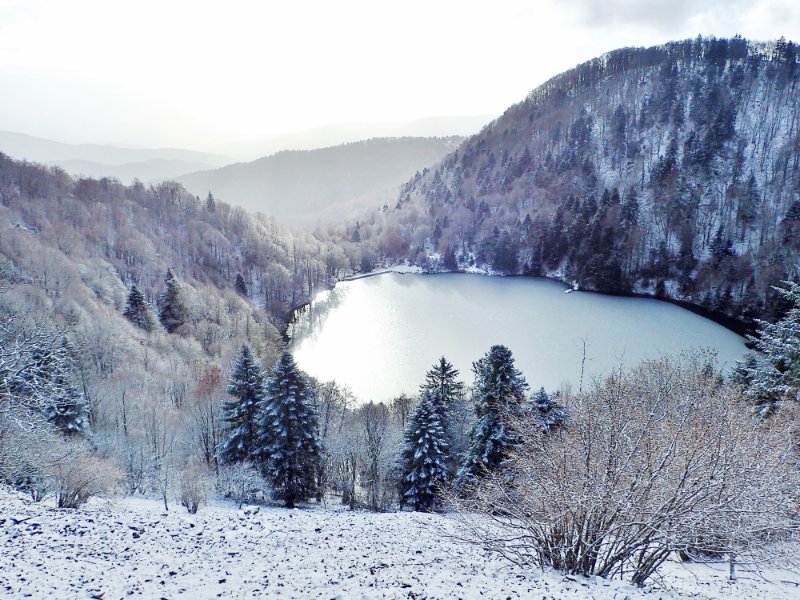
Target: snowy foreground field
(125, 548)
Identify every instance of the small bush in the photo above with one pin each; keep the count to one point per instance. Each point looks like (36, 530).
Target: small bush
(662, 461)
(78, 475)
(193, 488)
(242, 483)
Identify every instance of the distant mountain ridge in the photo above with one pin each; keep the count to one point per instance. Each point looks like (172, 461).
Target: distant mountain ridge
(672, 171)
(100, 160)
(338, 134)
(328, 182)
(27, 147)
(148, 171)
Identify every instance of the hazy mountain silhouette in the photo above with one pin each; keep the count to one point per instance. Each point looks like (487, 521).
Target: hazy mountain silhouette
(326, 182)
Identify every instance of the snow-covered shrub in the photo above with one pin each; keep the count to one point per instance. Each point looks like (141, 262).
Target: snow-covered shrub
(242, 483)
(193, 487)
(664, 460)
(78, 474)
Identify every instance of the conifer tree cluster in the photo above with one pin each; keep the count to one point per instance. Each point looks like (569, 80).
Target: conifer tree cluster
(272, 422)
(138, 311)
(430, 459)
(445, 391)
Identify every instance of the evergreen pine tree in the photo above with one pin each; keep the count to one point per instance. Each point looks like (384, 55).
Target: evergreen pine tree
(241, 285)
(68, 411)
(424, 457)
(137, 310)
(246, 386)
(773, 373)
(52, 376)
(444, 388)
(499, 393)
(449, 261)
(171, 311)
(546, 412)
(289, 451)
(445, 392)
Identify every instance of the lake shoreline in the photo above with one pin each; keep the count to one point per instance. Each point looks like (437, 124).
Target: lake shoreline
(378, 335)
(737, 326)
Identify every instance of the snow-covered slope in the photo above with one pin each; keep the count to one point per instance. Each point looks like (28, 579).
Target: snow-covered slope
(672, 171)
(131, 548)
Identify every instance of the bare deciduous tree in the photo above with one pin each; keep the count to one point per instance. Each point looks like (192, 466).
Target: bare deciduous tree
(660, 461)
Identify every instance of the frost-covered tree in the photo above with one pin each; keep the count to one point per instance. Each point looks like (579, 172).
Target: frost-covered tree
(772, 373)
(424, 458)
(67, 409)
(47, 381)
(447, 398)
(138, 311)
(171, 310)
(499, 393)
(289, 451)
(376, 469)
(246, 386)
(443, 386)
(546, 412)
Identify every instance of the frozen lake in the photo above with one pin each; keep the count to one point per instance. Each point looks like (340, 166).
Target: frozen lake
(379, 335)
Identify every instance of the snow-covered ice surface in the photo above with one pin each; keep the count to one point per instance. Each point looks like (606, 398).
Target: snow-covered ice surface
(126, 547)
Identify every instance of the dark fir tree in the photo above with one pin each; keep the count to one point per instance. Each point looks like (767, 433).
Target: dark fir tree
(246, 387)
(241, 286)
(499, 393)
(424, 458)
(546, 412)
(49, 379)
(447, 395)
(171, 310)
(450, 262)
(504, 258)
(137, 310)
(211, 203)
(441, 382)
(289, 451)
(67, 409)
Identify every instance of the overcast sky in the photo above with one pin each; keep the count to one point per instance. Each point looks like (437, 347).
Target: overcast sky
(198, 74)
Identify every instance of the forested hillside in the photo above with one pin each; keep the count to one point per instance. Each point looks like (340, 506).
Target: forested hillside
(126, 306)
(328, 183)
(672, 171)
